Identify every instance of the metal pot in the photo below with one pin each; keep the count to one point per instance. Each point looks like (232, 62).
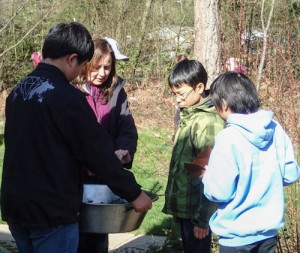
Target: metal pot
(105, 217)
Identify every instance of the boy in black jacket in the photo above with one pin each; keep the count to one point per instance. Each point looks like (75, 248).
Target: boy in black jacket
(51, 134)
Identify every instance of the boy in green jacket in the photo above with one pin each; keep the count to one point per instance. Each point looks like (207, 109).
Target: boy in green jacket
(199, 124)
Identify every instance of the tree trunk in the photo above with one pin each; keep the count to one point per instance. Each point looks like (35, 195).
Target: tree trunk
(143, 31)
(121, 7)
(206, 48)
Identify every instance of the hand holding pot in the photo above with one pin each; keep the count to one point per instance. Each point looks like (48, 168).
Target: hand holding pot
(142, 203)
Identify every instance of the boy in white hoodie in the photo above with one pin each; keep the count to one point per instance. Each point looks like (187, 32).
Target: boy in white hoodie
(251, 162)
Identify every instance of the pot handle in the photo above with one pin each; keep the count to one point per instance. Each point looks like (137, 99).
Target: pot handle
(129, 208)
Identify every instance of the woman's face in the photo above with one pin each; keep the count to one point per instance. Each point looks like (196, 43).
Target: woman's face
(98, 75)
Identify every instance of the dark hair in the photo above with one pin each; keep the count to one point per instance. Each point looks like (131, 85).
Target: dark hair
(68, 38)
(190, 72)
(237, 90)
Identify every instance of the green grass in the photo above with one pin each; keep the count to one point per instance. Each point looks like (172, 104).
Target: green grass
(151, 170)
(151, 167)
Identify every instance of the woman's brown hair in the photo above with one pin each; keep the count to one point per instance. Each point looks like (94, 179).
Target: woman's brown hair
(101, 47)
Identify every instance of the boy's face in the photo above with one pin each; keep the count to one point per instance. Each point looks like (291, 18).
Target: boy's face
(187, 96)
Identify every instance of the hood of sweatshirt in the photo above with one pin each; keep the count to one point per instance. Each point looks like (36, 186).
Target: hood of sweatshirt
(258, 128)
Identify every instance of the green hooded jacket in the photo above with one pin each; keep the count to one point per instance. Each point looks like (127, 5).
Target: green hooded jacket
(199, 125)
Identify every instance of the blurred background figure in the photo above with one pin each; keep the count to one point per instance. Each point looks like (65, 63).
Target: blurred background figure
(36, 57)
(235, 64)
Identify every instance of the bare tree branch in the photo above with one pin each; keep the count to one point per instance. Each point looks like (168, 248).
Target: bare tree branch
(265, 42)
(13, 46)
(13, 16)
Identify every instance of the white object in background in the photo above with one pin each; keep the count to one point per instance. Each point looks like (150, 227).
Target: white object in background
(98, 194)
(115, 47)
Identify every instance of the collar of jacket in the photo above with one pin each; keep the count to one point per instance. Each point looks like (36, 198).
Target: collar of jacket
(204, 105)
(55, 71)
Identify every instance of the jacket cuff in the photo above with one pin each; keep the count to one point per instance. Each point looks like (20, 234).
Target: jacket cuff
(134, 196)
(199, 223)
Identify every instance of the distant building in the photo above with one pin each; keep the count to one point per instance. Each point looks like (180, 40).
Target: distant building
(173, 39)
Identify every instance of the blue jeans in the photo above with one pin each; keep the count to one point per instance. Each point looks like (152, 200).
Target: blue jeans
(60, 239)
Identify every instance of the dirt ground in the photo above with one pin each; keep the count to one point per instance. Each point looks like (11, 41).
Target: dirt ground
(150, 106)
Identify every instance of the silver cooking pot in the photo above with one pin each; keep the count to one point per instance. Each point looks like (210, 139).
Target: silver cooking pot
(104, 212)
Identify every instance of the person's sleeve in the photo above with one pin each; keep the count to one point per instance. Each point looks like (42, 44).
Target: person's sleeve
(204, 212)
(127, 134)
(287, 160)
(221, 175)
(205, 137)
(93, 148)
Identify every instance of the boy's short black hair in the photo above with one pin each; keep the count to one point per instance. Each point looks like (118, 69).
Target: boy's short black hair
(68, 38)
(190, 72)
(237, 90)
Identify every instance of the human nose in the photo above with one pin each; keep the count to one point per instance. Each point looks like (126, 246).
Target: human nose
(101, 72)
(178, 99)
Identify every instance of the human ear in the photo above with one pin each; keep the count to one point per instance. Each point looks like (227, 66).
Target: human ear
(72, 59)
(225, 106)
(200, 88)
